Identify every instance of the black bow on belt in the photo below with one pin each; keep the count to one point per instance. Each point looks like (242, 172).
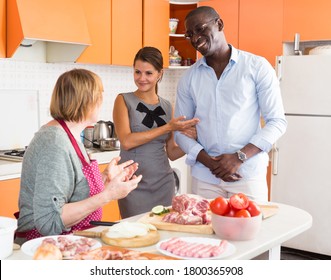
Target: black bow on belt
(151, 116)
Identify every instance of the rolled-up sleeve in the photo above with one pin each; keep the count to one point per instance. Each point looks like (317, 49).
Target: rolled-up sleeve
(54, 184)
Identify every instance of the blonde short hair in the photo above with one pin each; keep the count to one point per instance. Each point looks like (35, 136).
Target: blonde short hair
(75, 94)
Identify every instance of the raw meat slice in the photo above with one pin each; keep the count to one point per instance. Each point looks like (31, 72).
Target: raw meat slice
(188, 210)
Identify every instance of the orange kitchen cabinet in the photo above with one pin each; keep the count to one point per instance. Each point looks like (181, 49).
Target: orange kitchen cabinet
(252, 25)
(138, 23)
(98, 17)
(156, 26)
(309, 18)
(229, 12)
(126, 32)
(260, 27)
(3, 28)
(9, 192)
(110, 212)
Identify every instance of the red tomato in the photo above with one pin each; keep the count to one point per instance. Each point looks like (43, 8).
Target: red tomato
(239, 201)
(253, 208)
(219, 205)
(243, 213)
(231, 213)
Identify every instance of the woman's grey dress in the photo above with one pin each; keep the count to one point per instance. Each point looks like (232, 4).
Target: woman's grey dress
(158, 183)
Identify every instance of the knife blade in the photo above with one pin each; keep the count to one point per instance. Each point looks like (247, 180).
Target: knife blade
(102, 223)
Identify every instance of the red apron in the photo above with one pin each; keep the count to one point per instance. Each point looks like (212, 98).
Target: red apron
(94, 179)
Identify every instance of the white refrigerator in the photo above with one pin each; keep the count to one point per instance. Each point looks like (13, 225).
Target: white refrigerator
(301, 158)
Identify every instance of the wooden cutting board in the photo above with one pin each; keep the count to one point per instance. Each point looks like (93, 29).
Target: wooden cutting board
(150, 238)
(268, 210)
(156, 220)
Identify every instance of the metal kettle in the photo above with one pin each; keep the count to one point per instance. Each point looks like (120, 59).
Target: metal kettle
(103, 130)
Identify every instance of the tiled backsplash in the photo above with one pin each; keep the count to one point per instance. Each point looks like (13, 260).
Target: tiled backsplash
(42, 77)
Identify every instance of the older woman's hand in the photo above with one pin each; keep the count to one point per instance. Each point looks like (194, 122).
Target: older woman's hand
(122, 184)
(113, 169)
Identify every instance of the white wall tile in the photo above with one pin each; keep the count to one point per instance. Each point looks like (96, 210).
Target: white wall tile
(42, 77)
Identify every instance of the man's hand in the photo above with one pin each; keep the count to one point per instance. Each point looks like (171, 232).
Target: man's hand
(226, 166)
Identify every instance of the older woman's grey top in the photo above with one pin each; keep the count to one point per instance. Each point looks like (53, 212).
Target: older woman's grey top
(51, 177)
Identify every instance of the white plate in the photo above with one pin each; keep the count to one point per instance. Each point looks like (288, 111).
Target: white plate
(31, 246)
(229, 250)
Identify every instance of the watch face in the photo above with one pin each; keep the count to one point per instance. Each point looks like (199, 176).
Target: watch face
(242, 156)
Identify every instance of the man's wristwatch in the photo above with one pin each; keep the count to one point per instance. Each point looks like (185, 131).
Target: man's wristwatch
(241, 155)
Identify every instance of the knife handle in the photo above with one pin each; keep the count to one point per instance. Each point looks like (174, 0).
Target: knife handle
(102, 223)
(92, 234)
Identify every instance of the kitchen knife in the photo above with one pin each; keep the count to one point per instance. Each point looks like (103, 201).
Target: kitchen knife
(102, 223)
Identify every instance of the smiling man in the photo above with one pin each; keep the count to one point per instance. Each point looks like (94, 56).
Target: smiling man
(228, 90)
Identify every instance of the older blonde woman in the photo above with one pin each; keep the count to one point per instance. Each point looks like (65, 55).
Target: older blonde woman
(61, 189)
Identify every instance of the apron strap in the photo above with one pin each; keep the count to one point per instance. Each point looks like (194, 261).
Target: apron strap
(73, 142)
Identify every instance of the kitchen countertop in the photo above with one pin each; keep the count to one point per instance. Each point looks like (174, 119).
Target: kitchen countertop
(12, 169)
(286, 224)
(102, 156)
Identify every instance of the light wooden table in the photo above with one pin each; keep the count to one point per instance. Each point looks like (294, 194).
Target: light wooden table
(286, 224)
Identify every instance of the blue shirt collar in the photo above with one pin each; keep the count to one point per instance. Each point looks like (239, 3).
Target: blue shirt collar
(233, 58)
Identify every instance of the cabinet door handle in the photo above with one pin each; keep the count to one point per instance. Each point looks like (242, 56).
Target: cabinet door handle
(275, 155)
(279, 62)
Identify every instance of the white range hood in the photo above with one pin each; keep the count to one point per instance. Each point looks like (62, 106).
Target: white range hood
(48, 31)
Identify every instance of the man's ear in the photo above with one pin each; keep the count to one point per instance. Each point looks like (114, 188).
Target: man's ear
(220, 24)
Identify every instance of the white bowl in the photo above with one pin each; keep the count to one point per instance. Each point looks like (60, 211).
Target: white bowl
(7, 231)
(233, 228)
